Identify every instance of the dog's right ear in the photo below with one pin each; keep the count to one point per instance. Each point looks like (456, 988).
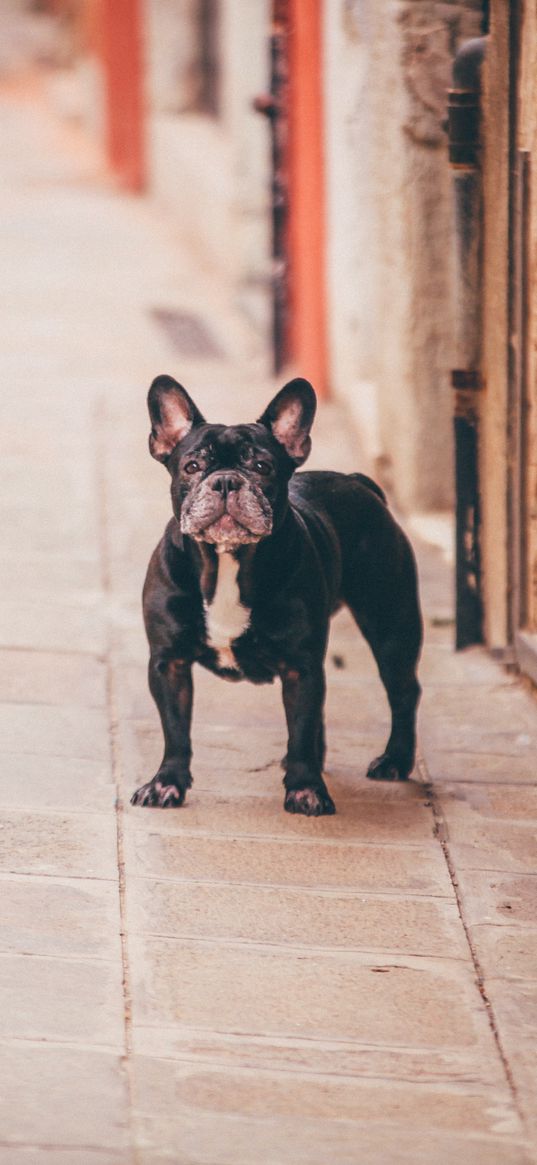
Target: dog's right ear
(172, 413)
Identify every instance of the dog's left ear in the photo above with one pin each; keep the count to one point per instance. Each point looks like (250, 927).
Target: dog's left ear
(289, 417)
(173, 414)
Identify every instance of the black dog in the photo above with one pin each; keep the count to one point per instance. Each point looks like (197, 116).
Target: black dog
(249, 571)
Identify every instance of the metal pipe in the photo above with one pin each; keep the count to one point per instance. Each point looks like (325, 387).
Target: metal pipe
(466, 378)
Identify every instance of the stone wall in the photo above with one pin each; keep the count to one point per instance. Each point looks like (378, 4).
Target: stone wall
(212, 171)
(528, 141)
(390, 232)
(494, 411)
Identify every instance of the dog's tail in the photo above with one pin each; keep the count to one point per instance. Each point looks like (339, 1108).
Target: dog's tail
(370, 484)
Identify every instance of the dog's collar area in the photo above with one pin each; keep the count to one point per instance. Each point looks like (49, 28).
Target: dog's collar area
(226, 616)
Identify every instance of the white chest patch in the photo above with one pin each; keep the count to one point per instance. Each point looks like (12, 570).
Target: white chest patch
(225, 617)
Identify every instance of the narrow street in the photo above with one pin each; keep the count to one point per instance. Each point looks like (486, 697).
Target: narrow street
(225, 984)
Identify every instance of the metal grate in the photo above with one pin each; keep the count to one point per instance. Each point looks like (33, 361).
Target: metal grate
(187, 333)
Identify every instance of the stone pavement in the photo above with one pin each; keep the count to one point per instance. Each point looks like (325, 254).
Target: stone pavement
(224, 984)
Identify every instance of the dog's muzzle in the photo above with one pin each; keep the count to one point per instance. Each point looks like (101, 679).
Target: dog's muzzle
(226, 508)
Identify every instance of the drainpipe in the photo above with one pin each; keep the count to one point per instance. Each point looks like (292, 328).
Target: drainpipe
(121, 39)
(466, 377)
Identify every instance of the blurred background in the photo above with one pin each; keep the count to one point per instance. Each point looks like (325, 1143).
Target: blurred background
(356, 177)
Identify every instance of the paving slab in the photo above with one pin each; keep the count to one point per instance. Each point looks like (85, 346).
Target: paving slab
(246, 764)
(503, 768)
(225, 983)
(30, 524)
(33, 576)
(85, 1107)
(59, 916)
(41, 677)
(494, 847)
(48, 626)
(503, 736)
(218, 1140)
(442, 667)
(172, 1090)
(81, 845)
(415, 869)
(506, 952)
(47, 730)
(44, 1155)
(483, 719)
(498, 898)
(64, 999)
(515, 1010)
(181, 1096)
(503, 804)
(296, 917)
(33, 781)
(396, 813)
(231, 1050)
(229, 987)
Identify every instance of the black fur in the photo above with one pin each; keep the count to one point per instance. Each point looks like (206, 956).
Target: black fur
(304, 544)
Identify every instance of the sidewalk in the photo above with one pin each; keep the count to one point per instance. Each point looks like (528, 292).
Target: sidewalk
(226, 984)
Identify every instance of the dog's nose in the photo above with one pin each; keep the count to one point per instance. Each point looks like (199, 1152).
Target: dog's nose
(225, 483)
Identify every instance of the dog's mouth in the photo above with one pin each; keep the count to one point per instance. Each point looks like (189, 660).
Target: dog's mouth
(226, 528)
(245, 516)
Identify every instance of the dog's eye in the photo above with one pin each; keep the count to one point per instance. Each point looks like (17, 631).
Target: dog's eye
(262, 467)
(191, 467)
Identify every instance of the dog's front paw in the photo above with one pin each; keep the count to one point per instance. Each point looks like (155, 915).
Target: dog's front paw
(160, 794)
(386, 768)
(310, 802)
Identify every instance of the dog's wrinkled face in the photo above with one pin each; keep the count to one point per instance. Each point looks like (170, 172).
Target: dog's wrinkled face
(229, 483)
(225, 483)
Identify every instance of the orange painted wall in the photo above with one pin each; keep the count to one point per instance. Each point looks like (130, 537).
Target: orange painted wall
(120, 43)
(308, 341)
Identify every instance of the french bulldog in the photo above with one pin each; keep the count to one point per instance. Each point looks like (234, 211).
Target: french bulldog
(252, 565)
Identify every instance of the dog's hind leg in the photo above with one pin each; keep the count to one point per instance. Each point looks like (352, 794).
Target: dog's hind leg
(393, 631)
(398, 674)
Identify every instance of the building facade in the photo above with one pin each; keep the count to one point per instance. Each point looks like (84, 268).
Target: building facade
(332, 220)
(508, 401)
(363, 274)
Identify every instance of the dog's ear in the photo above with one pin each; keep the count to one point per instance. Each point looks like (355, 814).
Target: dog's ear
(289, 417)
(172, 414)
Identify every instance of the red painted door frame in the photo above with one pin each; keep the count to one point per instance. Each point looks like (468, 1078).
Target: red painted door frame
(121, 50)
(307, 210)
